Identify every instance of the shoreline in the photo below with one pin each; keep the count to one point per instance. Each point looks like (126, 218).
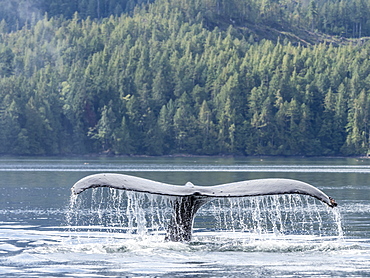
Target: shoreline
(185, 156)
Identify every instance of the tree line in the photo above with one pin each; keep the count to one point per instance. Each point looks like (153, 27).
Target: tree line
(157, 83)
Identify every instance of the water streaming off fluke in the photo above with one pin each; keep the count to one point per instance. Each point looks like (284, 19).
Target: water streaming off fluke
(144, 215)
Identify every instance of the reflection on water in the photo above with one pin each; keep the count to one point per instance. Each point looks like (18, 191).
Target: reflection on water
(191, 164)
(109, 233)
(128, 167)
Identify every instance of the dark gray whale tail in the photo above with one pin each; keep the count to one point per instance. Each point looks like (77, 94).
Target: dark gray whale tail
(191, 197)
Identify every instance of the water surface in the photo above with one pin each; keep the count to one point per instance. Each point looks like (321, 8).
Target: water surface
(41, 237)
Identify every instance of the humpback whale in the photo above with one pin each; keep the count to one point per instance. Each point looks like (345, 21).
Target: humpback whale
(190, 198)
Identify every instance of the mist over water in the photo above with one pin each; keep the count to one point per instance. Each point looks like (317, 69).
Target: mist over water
(47, 232)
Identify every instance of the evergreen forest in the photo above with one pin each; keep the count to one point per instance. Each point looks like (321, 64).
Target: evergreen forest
(199, 77)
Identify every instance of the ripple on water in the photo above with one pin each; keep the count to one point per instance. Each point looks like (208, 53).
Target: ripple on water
(107, 254)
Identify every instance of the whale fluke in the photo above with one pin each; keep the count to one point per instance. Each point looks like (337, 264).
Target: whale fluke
(192, 197)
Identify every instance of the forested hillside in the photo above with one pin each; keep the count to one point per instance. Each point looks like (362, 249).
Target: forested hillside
(192, 77)
(347, 18)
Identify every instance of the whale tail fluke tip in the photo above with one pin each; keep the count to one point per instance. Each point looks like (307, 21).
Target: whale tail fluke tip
(333, 203)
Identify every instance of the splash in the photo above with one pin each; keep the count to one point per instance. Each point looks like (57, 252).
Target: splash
(115, 211)
(278, 215)
(148, 215)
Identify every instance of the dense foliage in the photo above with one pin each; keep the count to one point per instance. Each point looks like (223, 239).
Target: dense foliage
(348, 18)
(161, 81)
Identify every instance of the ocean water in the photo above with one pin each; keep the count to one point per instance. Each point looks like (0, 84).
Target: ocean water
(46, 232)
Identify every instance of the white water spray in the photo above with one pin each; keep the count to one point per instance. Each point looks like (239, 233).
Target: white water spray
(147, 215)
(278, 215)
